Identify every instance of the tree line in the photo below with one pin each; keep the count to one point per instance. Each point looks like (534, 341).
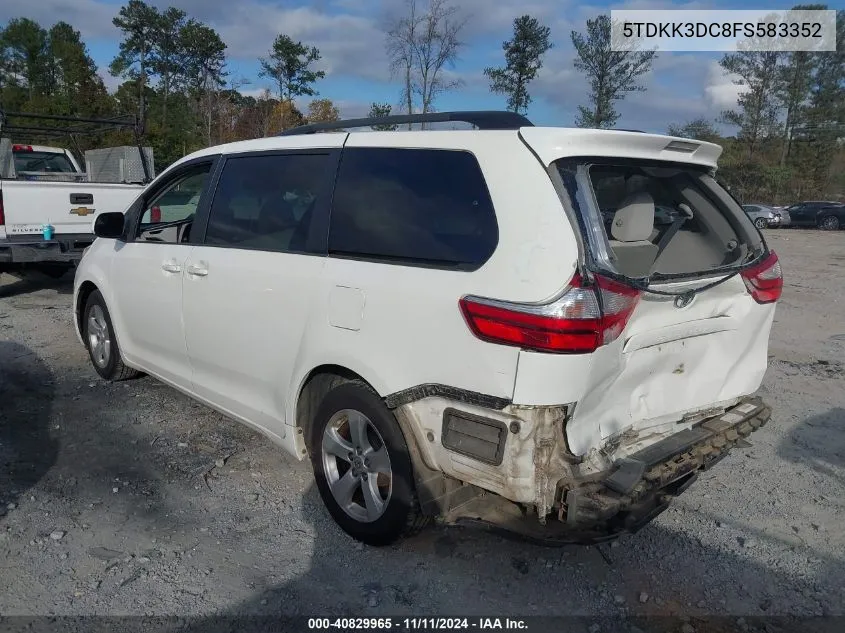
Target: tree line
(173, 77)
(789, 115)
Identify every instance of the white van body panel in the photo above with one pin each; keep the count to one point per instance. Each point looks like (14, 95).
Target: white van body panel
(257, 324)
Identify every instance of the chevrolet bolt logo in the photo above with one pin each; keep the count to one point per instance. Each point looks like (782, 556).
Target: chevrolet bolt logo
(81, 211)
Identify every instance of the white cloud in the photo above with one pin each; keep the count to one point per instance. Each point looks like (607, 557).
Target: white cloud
(350, 37)
(255, 93)
(111, 83)
(720, 89)
(348, 44)
(91, 18)
(485, 17)
(675, 90)
(558, 82)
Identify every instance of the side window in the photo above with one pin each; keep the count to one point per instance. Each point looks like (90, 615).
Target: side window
(168, 216)
(267, 202)
(414, 206)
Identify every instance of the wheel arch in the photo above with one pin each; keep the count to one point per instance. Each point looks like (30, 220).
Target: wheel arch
(86, 289)
(313, 386)
(431, 489)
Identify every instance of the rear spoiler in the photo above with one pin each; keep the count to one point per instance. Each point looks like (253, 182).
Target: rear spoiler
(551, 144)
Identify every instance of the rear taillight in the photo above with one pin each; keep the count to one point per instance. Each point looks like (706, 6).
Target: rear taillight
(581, 320)
(764, 280)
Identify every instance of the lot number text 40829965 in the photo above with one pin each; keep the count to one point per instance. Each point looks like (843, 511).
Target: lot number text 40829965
(416, 624)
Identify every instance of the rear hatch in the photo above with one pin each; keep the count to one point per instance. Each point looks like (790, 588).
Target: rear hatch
(698, 281)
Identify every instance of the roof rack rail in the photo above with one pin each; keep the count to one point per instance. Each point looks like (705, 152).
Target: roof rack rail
(619, 129)
(482, 119)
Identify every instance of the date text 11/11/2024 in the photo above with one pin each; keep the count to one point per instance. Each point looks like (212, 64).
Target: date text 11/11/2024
(416, 624)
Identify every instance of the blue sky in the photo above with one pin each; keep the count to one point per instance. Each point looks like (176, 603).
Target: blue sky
(682, 86)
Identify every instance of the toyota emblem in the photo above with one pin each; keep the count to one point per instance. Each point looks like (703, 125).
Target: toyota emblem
(682, 301)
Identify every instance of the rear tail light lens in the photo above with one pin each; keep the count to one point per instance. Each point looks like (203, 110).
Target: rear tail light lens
(155, 215)
(580, 321)
(764, 281)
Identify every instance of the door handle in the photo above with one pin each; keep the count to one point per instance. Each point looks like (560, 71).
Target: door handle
(197, 271)
(171, 267)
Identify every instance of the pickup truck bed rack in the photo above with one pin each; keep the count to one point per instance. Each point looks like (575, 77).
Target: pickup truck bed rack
(81, 126)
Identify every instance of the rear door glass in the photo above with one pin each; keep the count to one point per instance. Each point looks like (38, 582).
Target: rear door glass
(267, 202)
(43, 162)
(412, 206)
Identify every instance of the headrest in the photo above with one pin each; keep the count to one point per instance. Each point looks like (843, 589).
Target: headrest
(276, 215)
(634, 220)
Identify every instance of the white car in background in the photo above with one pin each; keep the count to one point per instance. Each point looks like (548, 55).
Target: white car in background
(763, 216)
(446, 329)
(785, 220)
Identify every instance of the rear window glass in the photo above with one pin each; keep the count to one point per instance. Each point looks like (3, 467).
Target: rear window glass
(43, 162)
(648, 219)
(615, 186)
(414, 206)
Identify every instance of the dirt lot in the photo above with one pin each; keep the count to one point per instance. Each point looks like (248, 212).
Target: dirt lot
(131, 499)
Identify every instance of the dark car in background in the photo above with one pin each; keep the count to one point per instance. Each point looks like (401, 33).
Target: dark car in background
(826, 215)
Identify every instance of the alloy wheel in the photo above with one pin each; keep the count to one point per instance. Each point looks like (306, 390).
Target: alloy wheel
(357, 465)
(830, 223)
(99, 338)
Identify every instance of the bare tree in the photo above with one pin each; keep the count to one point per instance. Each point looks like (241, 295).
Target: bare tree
(438, 45)
(400, 45)
(421, 45)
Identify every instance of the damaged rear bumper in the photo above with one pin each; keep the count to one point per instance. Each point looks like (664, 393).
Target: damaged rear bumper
(602, 505)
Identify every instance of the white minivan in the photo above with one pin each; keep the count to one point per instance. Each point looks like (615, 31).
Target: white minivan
(483, 325)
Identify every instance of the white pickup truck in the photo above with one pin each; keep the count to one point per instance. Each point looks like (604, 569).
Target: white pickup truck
(50, 189)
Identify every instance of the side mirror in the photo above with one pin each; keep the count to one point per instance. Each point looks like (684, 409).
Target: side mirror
(109, 225)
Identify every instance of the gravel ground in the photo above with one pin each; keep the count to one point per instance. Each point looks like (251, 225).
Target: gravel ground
(131, 499)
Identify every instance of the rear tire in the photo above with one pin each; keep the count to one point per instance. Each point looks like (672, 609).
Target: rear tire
(362, 466)
(829, 223)
(98, 333)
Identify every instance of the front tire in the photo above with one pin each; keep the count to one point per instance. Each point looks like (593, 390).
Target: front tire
(98, 333)
(829, 223)
(362, 466)
(761, 223)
